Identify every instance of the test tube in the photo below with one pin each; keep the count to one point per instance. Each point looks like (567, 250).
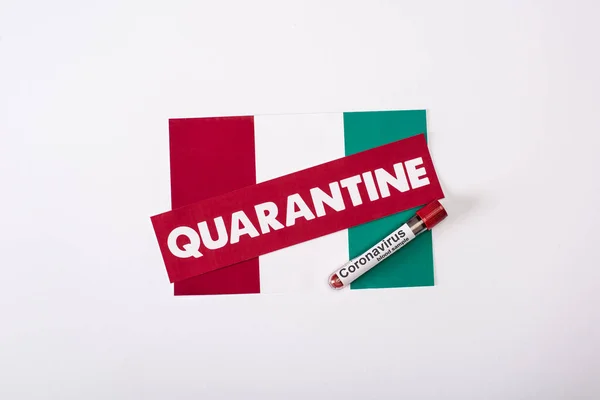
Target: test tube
(424, 219)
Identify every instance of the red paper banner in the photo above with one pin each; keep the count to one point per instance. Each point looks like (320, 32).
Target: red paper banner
(258, 219)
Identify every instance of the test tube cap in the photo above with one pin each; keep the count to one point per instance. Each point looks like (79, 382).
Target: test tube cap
(432, 214)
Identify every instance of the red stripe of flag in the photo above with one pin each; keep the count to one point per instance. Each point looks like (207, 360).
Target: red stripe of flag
(210, 157)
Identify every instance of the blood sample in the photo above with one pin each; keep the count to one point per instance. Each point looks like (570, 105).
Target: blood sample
(424, 219)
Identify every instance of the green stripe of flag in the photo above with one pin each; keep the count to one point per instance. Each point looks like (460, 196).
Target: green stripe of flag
(412, 265)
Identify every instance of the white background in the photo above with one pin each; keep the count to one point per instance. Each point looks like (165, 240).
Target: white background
(512, 89)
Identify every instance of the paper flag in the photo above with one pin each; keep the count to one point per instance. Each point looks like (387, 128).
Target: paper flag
(210, 156)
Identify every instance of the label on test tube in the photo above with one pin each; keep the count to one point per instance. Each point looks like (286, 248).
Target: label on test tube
(376, 254)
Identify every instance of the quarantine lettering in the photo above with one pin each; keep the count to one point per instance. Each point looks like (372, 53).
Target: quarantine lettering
(188, 242)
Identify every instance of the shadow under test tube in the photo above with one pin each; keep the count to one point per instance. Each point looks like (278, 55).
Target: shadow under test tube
(424, 219)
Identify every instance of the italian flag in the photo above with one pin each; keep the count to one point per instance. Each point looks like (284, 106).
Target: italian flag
(212, 156)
